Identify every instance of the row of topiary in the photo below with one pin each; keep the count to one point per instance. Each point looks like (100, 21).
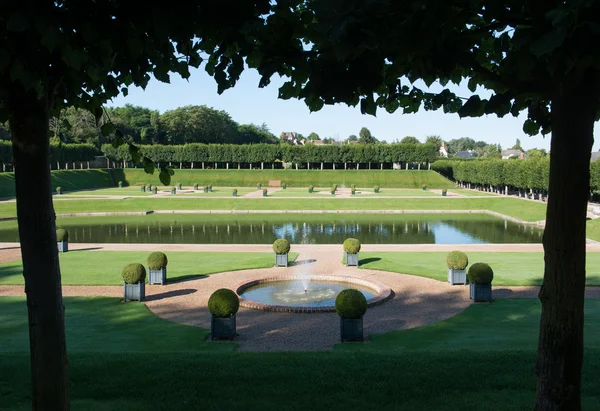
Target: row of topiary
(281, 247)
(479, 276)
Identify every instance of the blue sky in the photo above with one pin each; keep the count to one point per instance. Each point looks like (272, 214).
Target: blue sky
(247, 103)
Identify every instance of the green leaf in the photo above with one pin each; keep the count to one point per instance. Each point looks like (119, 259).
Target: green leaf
(368, 106)
(474, 107)
(548, 42)
(50, 39)
(119, 140)
(472, 84)
(134, 151)
(125, 91)
(17, 21)
(4, 59)
(148, 166)
(530, 127)
(107, 129)
(164, 176)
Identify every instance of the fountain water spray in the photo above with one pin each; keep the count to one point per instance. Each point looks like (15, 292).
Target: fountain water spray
(303, 274)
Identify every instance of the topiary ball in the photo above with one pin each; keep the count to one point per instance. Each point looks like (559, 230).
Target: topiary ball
(481, 274)
(444, 190)
(311, 189)
(351, 245)
(350, 303)
(457, 260)
(223, 303)
(376, 189)
(281, 246)
(134, 273)
(157, 260)
(62, 235)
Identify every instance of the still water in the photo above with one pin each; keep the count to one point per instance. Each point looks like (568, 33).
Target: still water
(297, 228)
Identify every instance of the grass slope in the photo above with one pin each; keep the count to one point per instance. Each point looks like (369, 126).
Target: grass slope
(472, 361)
(104, 267)
(68, 180)
(509, 268)
(297, 178)
(525, 210)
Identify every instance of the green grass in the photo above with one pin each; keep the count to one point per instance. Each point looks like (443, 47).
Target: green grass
(297, 178)
(105, 325)
(525, 210)
(136, 191)
(502, 325)
(593, 229)
(68, 180)
(104, 267)
(120, 358)
(509, 268)
(471, 193)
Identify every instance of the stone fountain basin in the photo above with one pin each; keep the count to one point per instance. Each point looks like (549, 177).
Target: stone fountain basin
(382, 293)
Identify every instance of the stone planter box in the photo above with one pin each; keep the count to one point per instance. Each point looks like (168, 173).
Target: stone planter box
(157, 276)
(210, 190)
(444, 194)
(222, 328)
(264, 194)
(481, 293)
(457, 277)
(281, 260)
(154, 191)
(174, 191)
(206, 190)
(352, 259)
(351, 329)
(143, 189)
(134, 292)
(353, 192)
(63, 246)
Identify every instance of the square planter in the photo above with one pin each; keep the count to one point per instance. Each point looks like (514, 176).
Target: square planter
(210, 190)
(63, 246)
(352, 259)
(444, 194)
(222, 328)
(457, 277)
(206, 190)
(481, 293)
(134, 292)
(264, 194)
(157, 276)
(351, 329)
(154, 191)
(174, 191)
(281, 260)
(143, 189)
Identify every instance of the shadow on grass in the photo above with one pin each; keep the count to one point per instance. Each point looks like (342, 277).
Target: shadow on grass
(8, 273)
(368, 260)
(189, 277)
(86, 249)
(169, 294)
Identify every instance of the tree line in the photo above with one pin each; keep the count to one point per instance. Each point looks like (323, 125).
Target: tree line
(506, 175)
(272, 153)
(59, 154)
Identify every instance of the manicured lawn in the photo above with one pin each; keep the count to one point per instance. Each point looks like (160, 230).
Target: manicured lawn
(66, 179)
(297, 178)
(507, 324)
(121, 359)
(470, 193)
(509, 268)
(525, 210)
(593, 229)
(105, 325)
(104, 267)
(387, 192)
(136, 191)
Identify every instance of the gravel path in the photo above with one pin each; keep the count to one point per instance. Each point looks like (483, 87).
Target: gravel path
(417, 301)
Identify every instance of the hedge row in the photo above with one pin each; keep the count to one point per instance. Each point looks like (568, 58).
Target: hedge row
(58, 153)
(516, 174)
(270, 153)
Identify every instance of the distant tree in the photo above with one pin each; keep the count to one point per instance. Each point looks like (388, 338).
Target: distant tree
(328, 140)
(517, 145)
(352, 137)
(365, 136)
(313, 136)
(4, 131)
(253, 134)
(199, 124)
(435, 140)
(410, 140)
(460, 144)
(537, 153)
(490, 151)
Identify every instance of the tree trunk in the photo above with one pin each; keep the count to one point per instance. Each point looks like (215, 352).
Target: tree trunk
(560, 346)
(29, 121)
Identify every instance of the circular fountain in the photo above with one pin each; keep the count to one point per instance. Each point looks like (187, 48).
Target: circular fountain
(316, 293)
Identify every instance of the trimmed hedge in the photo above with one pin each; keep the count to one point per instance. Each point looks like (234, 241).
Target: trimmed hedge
(350, 303)
(223, 303)
(480, 273)
(157, 260)
(134, 273)
(281, 246)
(270, 153)
(351, 245)
(62, 235)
